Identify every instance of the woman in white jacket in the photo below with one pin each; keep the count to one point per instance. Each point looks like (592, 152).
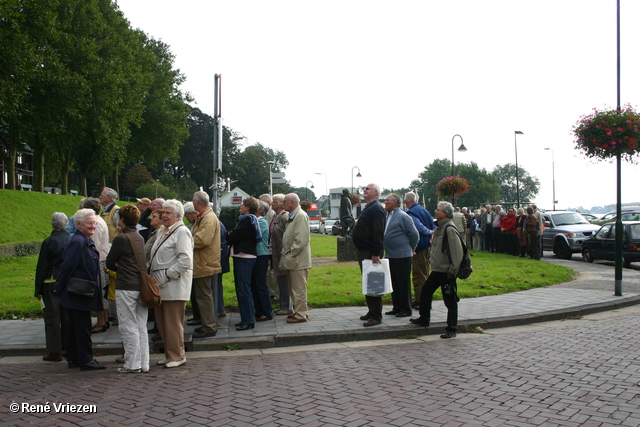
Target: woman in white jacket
(172, 267)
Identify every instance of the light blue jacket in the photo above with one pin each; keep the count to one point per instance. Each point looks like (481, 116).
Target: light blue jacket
(400, 235)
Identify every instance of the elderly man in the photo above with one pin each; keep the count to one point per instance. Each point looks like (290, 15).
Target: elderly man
(296, 257)
(400, 240)
(206, 263)
(368, 234)
(146, 213)
(423, 221)
(497, 245)
(108, 198)
(272, 282)
(445, 268)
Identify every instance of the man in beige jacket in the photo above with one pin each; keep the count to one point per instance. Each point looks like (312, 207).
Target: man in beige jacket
(206, 263)
(296, 256)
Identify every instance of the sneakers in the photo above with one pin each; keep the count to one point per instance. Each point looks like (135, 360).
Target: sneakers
(163, 361)
(175, 363)
(128, 371)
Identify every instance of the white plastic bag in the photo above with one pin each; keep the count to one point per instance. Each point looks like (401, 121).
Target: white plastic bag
(376, 278)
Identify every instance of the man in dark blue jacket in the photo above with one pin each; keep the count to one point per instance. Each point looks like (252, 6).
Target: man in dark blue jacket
(423, 221)
(368, 234)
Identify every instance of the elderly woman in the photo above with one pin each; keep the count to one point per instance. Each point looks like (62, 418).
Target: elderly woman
(243, 239)
(172, 267)
(259, 288)
(276, 231)
(81, 265)
(132, 313)
(49, 262)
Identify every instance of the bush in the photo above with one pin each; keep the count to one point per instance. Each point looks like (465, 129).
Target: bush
(229, 216)
(149, 190)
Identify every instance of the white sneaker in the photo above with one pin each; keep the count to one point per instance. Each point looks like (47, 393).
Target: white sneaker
(163, 361)
(128, 371)
(175, 363)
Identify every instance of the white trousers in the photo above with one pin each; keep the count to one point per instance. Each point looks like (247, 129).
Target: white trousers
(132, 319)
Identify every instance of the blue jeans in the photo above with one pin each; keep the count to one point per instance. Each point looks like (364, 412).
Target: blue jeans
(242, 271)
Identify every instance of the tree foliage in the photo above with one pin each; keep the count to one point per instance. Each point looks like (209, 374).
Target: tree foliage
(506, 177)
(484, 186)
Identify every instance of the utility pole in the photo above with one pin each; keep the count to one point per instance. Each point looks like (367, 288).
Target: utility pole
(217, 139)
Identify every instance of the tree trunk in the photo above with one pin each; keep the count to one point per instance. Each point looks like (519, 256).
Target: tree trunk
(83, 183)
(116, 170)
(64, 172)
(103, 182)
(10, 162)
(38, 166)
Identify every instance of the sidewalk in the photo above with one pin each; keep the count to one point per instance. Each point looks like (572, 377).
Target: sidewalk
(592, 291)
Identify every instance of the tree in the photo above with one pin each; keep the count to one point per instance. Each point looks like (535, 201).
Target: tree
(506, 177)
(136, 176)
(251, 170)
(484, 186)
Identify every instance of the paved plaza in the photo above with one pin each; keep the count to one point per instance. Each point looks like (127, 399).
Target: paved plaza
(576, 370)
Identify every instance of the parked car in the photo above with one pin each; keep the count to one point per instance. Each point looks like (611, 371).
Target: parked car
(590, 217)
(326, 227)
(626, 216)
(565, 231)
(602, 244)
(611, 216)
(336, 229)
(314, 225)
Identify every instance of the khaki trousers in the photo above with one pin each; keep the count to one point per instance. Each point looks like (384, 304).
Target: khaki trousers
(170, 323)
(206, 303)
(420, 269)
(298, 291)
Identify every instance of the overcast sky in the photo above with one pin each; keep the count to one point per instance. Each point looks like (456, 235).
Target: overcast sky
(385, 86)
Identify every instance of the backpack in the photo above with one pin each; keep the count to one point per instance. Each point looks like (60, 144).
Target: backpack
(465, 269)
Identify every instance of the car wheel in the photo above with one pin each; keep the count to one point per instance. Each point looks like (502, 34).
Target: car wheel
(586, 255)
(562, 250)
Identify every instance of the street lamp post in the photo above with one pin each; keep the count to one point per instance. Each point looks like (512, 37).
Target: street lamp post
(270, 163)
(359, 176)
(462, 149)
(307, 185)
(515, 137)
(326, 188)
(553, 174)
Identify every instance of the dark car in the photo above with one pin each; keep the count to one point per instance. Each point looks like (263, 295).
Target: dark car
(602, 244)
(336, 228)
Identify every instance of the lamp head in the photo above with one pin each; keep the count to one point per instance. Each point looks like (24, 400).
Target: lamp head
(519, 133)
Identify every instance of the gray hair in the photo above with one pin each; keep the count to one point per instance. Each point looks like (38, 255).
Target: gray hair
(411, 197)
(497, 207)
(376, 187)
(59, 220)
(278, 198)
(396, 198)
(82, 214)
(263, 208)
(189, 209)
(447, 208)
(178, 209)
(111, 193)
(293, 197)
(201, 197)
(266, 198)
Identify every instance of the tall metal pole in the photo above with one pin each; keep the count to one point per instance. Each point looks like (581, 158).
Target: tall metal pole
(515, 137)
(619, 229)
(217, 139)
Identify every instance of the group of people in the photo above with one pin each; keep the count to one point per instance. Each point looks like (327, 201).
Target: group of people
(417, 250)
(103, 249)
(514, 232)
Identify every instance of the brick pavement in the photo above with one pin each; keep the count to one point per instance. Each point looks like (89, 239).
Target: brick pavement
(571, 373)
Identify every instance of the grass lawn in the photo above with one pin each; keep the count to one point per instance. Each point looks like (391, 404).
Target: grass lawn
(331, 284)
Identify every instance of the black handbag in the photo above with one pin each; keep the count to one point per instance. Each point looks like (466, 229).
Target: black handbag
(81, 287)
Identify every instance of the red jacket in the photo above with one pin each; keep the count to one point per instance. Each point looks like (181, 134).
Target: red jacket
(508, 223)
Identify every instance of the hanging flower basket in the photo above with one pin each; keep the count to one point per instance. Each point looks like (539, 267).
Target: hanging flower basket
(356, 199)
(602, 133)
(305, 205)
(452, 186)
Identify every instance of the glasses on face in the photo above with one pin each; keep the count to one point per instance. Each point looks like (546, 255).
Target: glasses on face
(93, 224)
(103, 195)
(367, 189)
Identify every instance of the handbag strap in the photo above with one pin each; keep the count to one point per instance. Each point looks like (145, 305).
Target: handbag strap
(134, 252)
(164, 239)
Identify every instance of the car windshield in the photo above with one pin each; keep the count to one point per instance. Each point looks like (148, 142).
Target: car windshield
(569, 219)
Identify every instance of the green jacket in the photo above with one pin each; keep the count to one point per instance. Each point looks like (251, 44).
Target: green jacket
(438, 257)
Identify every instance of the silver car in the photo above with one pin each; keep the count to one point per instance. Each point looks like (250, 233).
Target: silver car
(565, 231)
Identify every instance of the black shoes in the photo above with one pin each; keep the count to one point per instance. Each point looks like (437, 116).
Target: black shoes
(244, 326)
(448, 334)
(401, 314)
(194, 322)
(72, 365)
(204, 334)
(420, 322)
(392, 312)
(92, 366)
